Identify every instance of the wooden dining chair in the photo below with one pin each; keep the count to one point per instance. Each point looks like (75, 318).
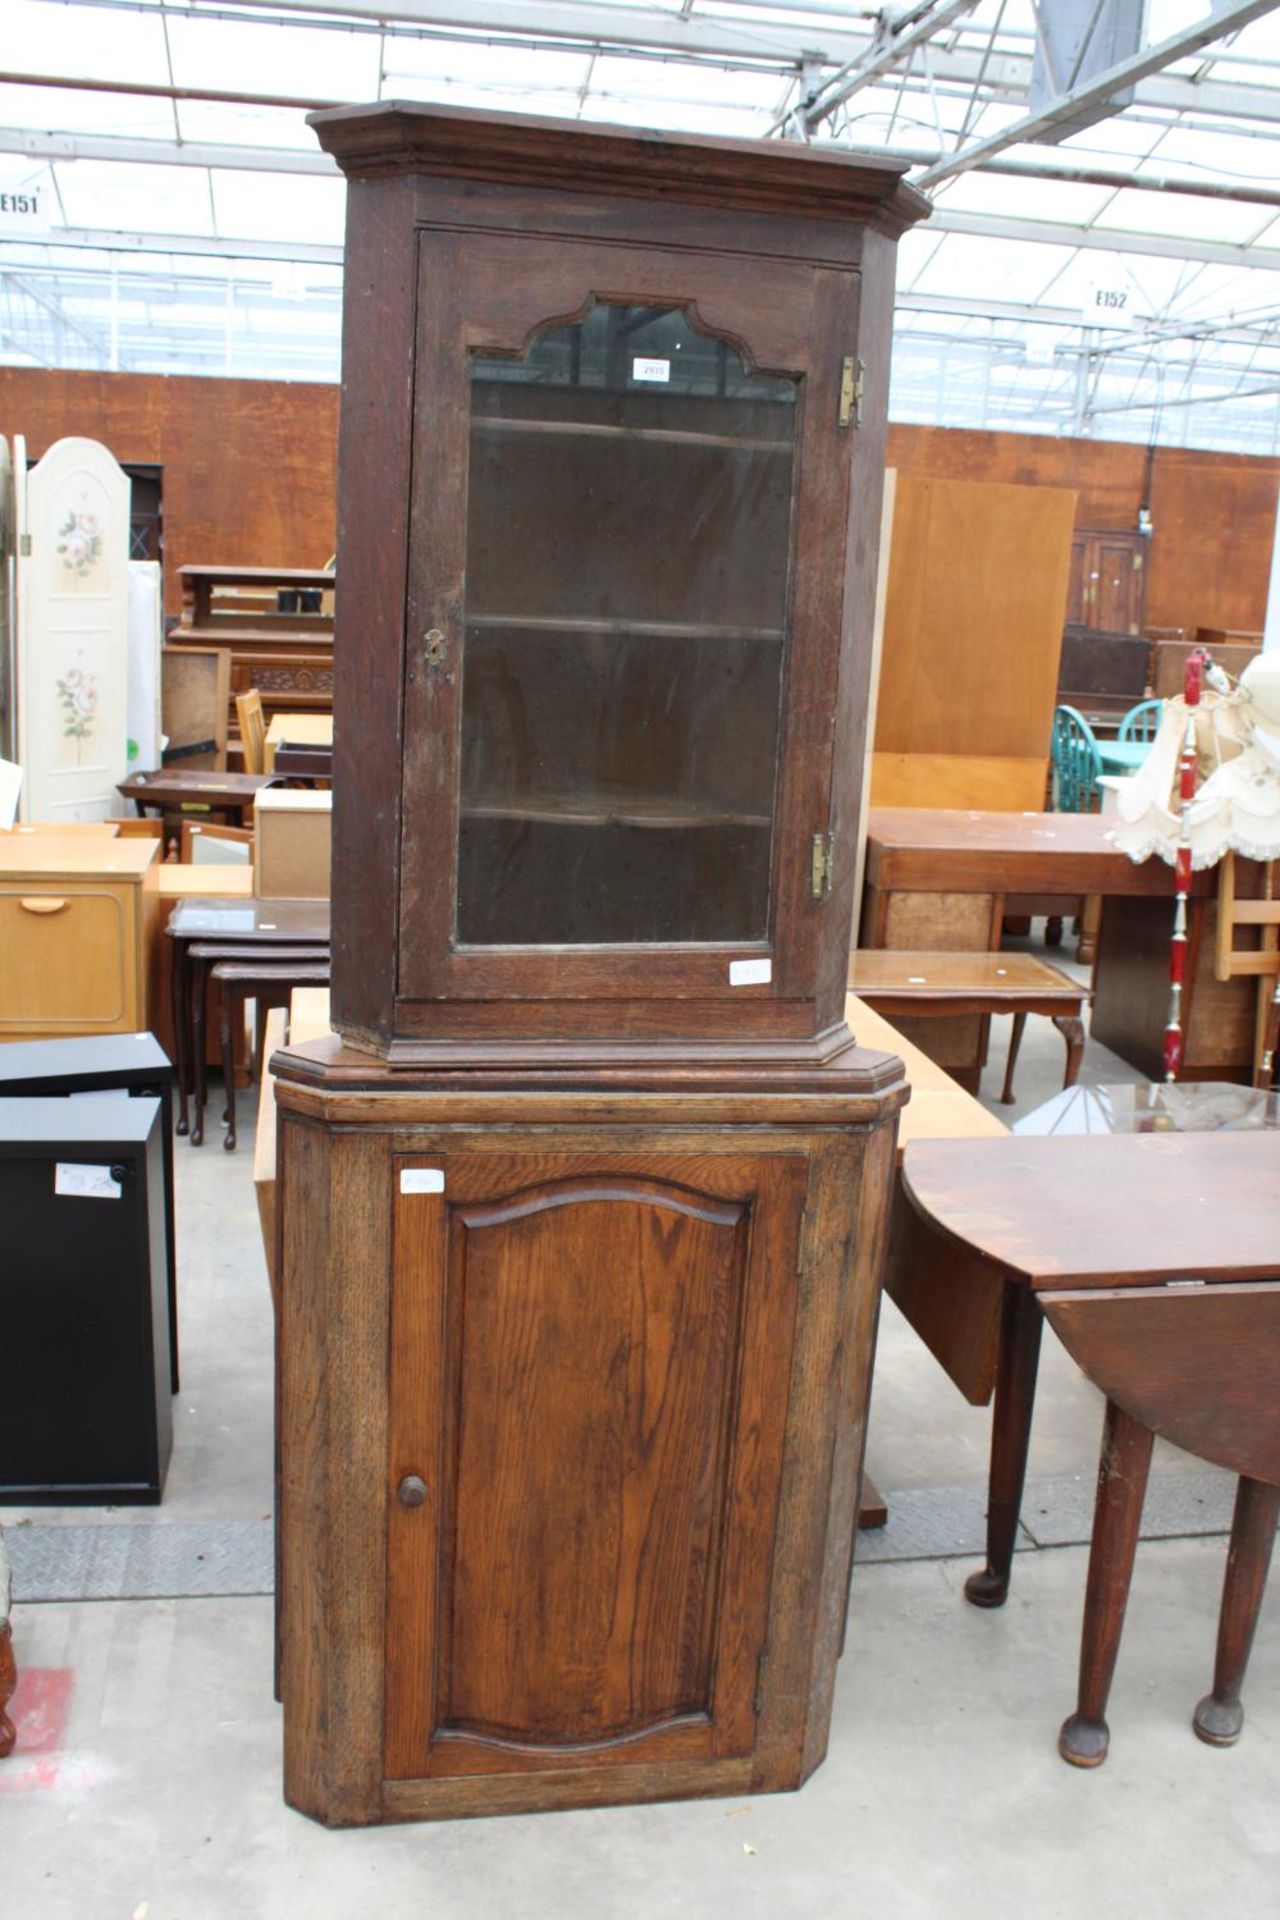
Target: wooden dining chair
(253, 730)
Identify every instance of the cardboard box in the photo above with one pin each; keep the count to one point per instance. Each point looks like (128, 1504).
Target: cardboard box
(292, 836)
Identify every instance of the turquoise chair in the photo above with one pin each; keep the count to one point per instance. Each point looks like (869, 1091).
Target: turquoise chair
(1076, 764)
(1142, 723)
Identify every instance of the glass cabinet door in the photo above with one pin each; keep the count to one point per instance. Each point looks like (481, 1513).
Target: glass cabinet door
(605, 697)
(628, 565)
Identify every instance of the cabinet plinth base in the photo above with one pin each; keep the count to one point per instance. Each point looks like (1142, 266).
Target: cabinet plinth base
(573, 1385)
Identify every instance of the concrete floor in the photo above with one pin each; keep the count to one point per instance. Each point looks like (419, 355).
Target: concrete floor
(147, 1778)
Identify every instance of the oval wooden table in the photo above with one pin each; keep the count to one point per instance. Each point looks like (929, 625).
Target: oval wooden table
(1156, 1259)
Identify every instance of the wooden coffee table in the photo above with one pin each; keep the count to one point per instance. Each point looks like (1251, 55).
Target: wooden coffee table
(925, 983)
(1156, 1258)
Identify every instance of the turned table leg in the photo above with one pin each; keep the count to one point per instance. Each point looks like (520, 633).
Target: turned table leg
(1015, 1041)
(1220, 1715)
(180, 1003)
(1016, 1367)
(229, 1000)
(198, 988)
(1122, 1484)
(8, 1681)
(1072, 1030)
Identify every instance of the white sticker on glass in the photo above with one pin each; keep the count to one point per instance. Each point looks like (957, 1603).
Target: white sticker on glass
(422, 1180)
(85, 1183)
(656, 370)
(750, 973)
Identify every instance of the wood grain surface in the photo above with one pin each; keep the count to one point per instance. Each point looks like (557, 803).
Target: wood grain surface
(973, 622)
(1196, 1365)
(579, 1584)
(1128, 1210)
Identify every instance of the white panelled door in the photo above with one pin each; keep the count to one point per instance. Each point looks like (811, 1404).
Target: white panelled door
(73, 615)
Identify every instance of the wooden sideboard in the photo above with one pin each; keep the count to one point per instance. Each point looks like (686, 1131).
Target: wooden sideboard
(77, 917)
(286, 656)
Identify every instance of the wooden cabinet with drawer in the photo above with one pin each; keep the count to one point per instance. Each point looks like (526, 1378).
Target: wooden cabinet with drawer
(77, 915)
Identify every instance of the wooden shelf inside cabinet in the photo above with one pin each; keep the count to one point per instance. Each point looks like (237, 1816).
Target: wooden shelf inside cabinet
(601, 430)
(557, 625)
(654, 811)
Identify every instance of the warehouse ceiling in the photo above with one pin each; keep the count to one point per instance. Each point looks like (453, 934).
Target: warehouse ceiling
(1104, 257)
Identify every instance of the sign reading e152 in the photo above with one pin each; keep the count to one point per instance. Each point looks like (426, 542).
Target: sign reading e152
(1108, 306)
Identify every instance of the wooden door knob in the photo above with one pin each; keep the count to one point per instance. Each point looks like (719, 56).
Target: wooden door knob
(412, 1490)
(43, 903)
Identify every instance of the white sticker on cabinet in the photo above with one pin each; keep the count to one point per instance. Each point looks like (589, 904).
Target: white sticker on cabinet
(85, 1183)
(750, 973)
(422, 1180)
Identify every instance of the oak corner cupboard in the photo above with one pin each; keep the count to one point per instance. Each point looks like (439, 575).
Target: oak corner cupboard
(586, 1197)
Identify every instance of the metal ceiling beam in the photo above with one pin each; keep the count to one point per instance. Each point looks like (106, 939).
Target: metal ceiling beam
(1056, 233)
(293, 252)
(168, 153)
(1053, 164)
(613, 27)
(1056, 163)
(896, 39)
(1005, 76)
(1269, 387)
(1027, 314)
(1227, 17)
(205, 96)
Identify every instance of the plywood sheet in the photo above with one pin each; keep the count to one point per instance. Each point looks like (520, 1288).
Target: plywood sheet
(973, 626)
(991, 783)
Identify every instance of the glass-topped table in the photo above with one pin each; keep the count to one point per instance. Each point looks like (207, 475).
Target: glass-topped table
(1203, 1106)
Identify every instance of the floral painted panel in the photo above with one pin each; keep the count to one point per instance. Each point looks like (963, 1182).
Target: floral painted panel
(79, 543)
(78, 697)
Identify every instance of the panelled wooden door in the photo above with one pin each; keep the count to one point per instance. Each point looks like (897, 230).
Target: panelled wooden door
(1108, 580)
(620, 648)
(590, 1364)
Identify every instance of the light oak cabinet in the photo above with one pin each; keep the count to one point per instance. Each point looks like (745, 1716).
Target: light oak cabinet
(77, 922)
(581, 1213)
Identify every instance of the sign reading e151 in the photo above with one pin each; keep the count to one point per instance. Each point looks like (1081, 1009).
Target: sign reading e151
(23, 208)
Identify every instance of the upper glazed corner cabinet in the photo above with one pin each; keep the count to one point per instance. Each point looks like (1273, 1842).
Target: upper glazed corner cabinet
(611, 456)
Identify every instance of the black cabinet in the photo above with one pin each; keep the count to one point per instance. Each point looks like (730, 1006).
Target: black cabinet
(85, 1409)
(98, 1063)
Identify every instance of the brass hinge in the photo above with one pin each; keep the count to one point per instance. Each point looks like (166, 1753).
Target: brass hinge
(852, 374)
(820, 866)
(758, 1702)
(24, 545)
